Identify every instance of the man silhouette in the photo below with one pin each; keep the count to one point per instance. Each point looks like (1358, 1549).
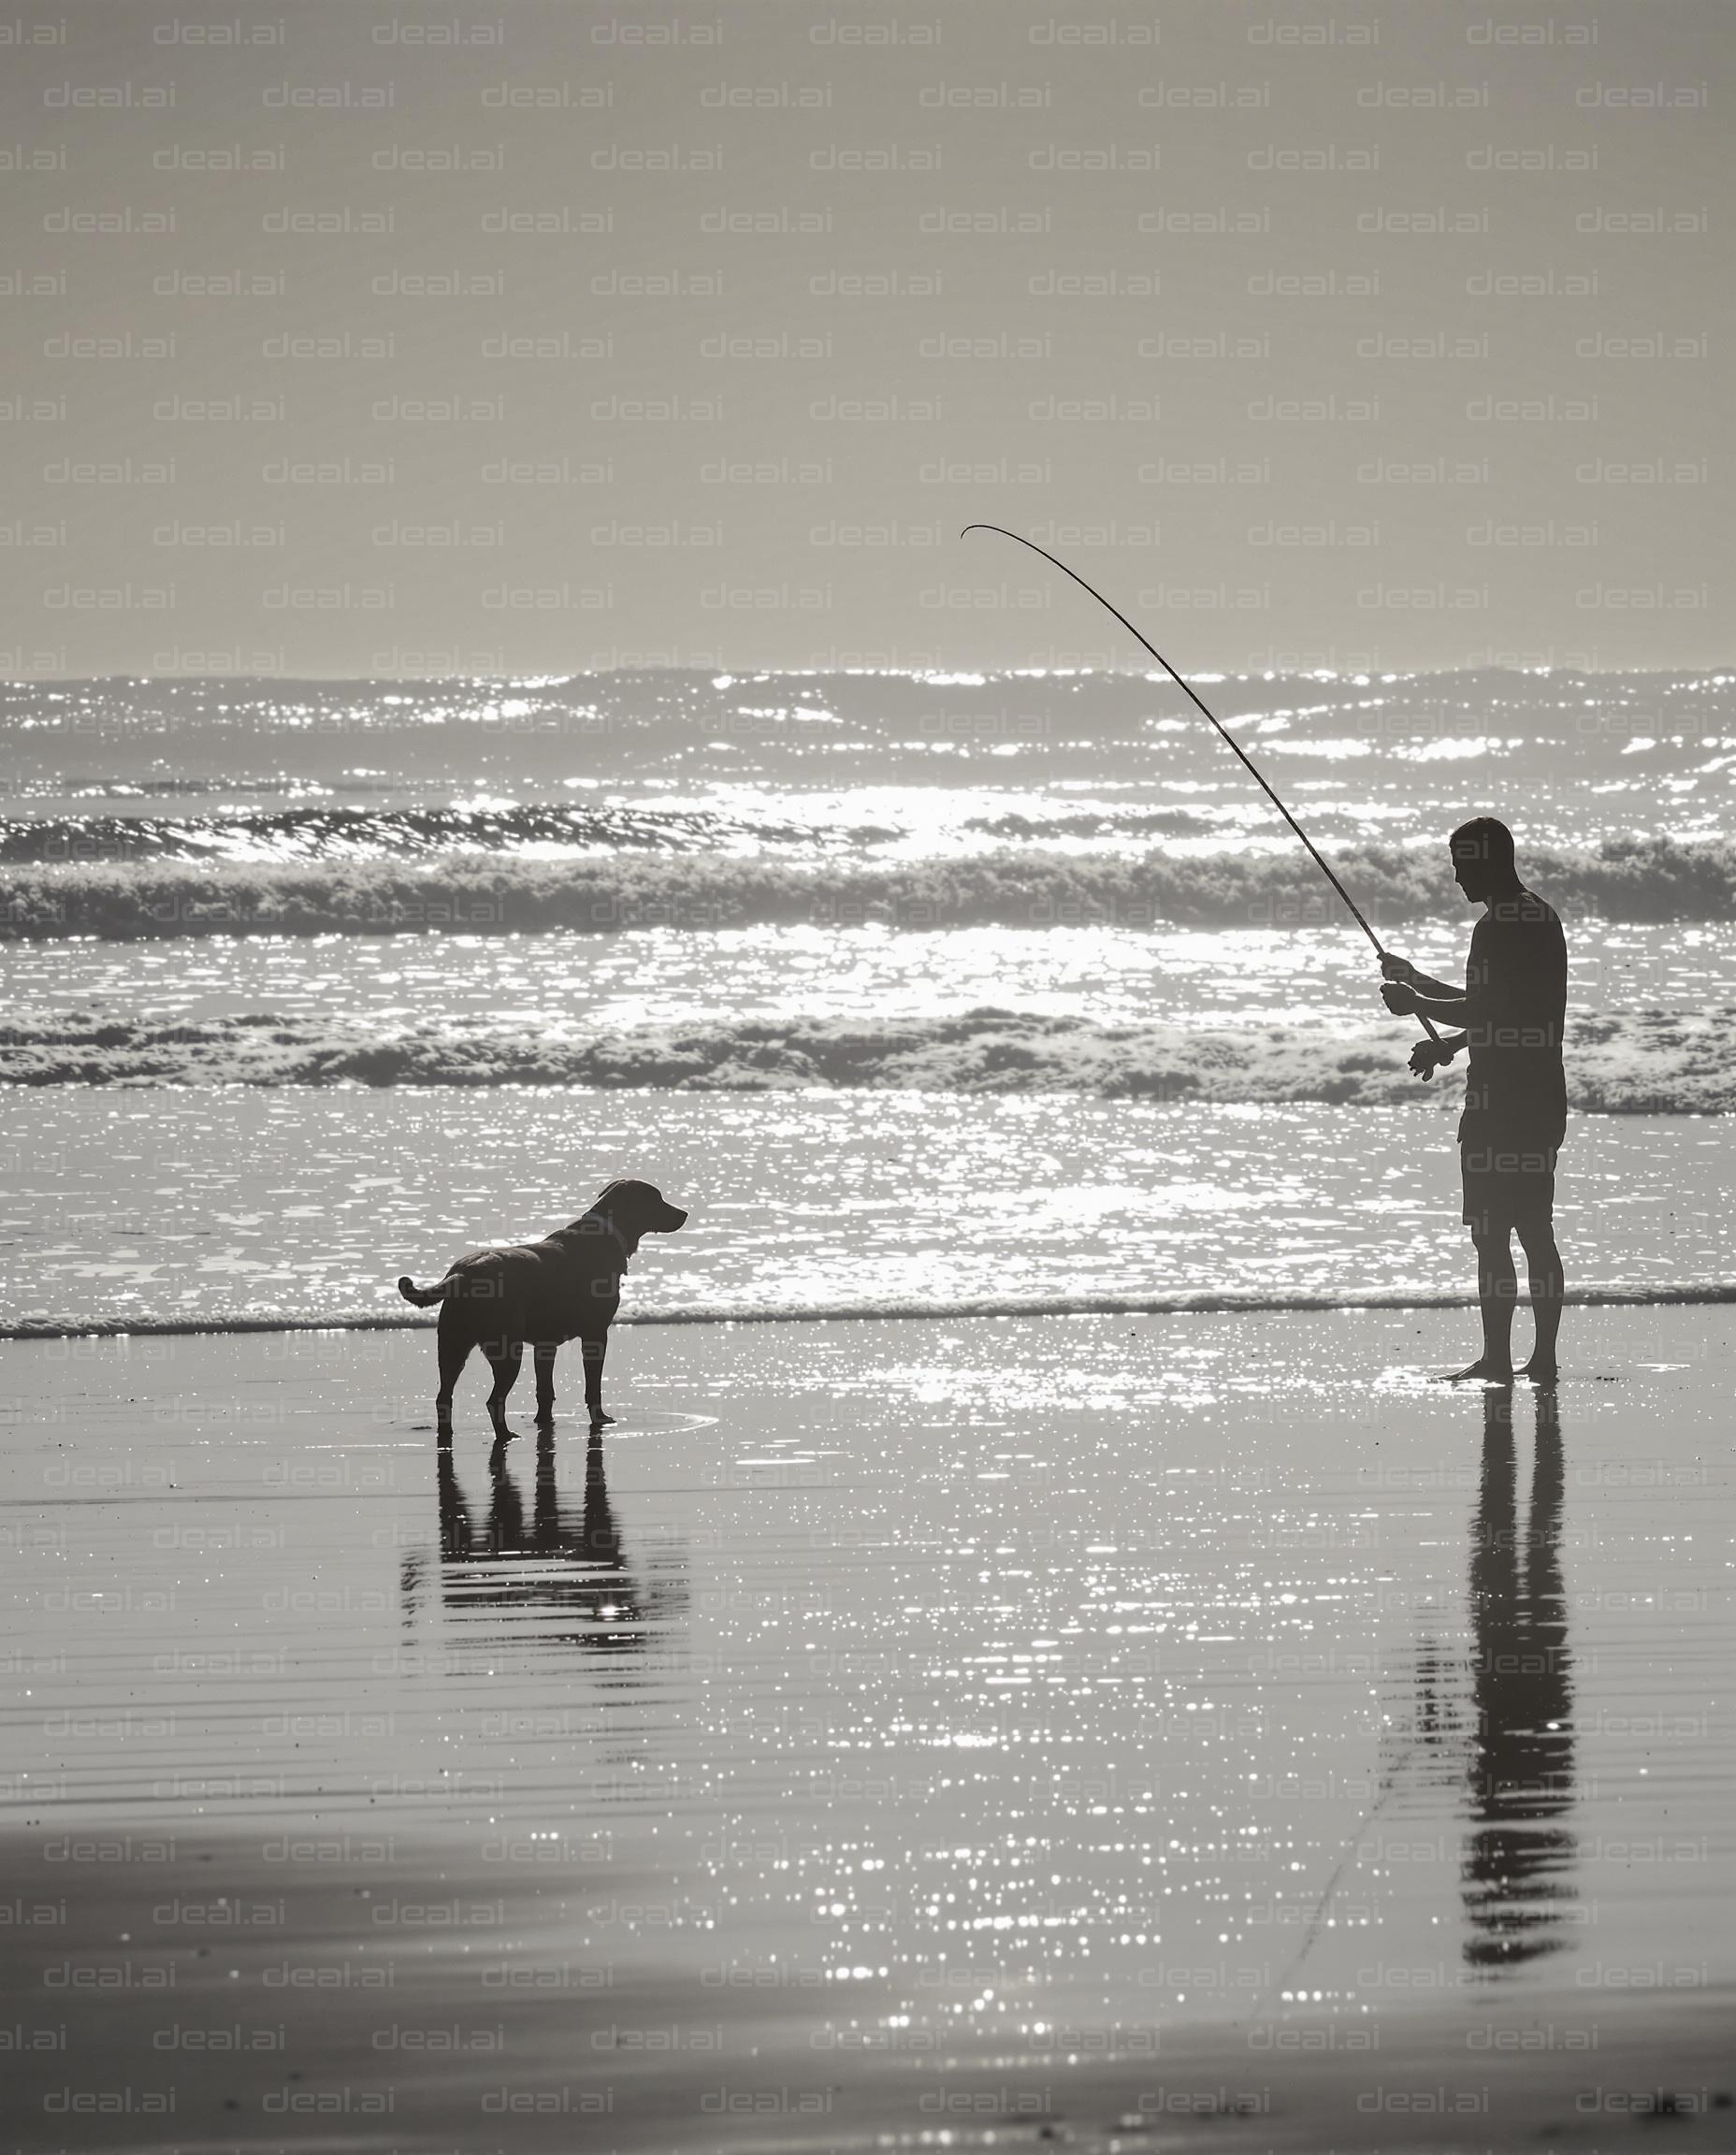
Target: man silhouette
(1512, 1007)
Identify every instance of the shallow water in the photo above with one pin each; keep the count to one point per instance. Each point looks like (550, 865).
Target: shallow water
(128, 1206)
(562, 985)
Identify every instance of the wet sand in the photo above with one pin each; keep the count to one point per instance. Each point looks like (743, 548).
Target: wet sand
(1186, 1730)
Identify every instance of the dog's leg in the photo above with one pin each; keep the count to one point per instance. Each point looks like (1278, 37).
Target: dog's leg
(594, 1352)
(455, 1351)
(504, 1356)
(545, 1357)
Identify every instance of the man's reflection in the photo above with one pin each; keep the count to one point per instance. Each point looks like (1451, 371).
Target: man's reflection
(1519, 1853)
(559, 1575)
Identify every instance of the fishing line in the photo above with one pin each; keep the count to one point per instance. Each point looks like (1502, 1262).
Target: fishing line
(1223, 734)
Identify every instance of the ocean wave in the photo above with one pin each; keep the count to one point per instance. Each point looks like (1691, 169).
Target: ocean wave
(1652, 1062)
(328, 833)
(60, 787)
(321, 832)
(1622, 879)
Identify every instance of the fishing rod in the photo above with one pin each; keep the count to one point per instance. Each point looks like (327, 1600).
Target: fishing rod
(1228, 739)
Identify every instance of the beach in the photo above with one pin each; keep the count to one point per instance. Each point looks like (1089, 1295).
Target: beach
(916, 644)
(1036, 1657)
(1191, 1727)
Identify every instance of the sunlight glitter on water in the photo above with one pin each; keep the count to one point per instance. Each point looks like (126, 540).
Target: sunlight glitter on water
(226, 1204)
(562, 983)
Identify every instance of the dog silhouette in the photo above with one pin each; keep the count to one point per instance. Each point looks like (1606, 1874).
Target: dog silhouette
(540, 1295)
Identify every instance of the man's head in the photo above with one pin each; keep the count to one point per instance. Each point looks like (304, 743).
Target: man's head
(1483, 859)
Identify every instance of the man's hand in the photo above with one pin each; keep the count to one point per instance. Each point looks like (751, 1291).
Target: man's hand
(1428, 1056)
(1398, 999)
(1393, 968)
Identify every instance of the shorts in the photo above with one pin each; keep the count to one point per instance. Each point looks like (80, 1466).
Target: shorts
(1507, 1186)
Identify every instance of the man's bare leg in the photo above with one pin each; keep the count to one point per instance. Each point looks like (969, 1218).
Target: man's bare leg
(1543, 1262)
(1498, 1291)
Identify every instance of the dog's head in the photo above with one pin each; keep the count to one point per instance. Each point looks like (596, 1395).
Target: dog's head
(634, 1209)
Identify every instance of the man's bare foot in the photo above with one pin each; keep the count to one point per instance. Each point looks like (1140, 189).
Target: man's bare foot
(1481, 1371)
(1540, 1371)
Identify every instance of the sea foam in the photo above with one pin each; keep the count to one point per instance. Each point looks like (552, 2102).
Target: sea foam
(1033, 886)
(1651, 1063)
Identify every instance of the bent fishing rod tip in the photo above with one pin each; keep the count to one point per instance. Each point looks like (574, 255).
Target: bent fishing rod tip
(1218, 726)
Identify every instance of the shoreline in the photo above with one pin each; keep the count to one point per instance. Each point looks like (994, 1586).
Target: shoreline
(1717, 1294)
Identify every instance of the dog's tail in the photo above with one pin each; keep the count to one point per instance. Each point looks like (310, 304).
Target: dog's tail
(423, 1296)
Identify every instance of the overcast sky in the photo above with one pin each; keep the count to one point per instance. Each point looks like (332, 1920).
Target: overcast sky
(358, 340)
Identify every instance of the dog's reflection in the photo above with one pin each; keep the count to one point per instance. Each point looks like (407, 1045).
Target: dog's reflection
(557, 1575)
(1519, 1853)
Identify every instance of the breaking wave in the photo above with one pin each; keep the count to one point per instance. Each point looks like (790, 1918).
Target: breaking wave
(1652, 1062)
(332, 834)
(483, 893)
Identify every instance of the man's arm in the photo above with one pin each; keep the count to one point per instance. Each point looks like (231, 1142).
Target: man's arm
(1401, 970)
(1452, 1008)
(1408, 992)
